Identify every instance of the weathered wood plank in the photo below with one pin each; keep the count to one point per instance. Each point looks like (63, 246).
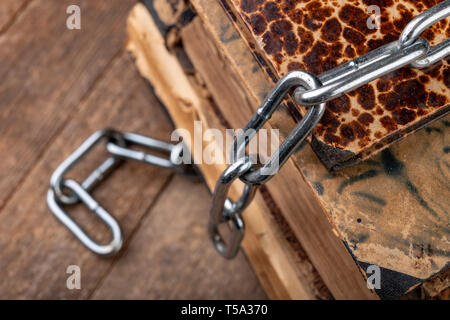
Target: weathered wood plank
(46, 72)
(9, 9)
(35, 249)
(170, 256)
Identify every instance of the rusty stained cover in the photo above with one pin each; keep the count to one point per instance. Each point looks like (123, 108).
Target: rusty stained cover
(317, 36)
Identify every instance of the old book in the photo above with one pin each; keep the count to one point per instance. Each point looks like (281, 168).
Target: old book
(279, 260)
(319, 35)
(342, 222)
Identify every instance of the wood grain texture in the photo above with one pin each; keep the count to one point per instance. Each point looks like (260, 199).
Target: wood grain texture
(170, 257)
(35, 249)
(49, 70)
(9, 10)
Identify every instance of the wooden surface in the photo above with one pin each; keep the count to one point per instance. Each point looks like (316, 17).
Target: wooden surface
(58, 87)
(9, 10)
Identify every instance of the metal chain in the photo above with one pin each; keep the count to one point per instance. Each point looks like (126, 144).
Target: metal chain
(314, 91)
(408, 50)
(119, 146)
(309, 90)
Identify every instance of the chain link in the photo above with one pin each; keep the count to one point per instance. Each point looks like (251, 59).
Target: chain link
(119, 145)
(310, 90)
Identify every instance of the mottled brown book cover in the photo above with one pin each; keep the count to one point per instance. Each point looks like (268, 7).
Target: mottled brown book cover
(317, 36)
(390, 211)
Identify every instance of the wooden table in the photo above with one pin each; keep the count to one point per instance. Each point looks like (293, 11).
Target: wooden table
(58, 87)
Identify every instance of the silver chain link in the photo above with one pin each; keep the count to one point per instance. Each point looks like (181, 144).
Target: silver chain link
(315, 91)
(119, 145)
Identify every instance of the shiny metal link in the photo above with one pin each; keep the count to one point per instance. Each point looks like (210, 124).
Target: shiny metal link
(135, 139)
(56, 181)
(408, 50)
(423, 21)
(295, 79)
(418, 25)
(174, 152)
(436, 54)
(55, 206)
(224, 210)
(361, 71)
(118, 144)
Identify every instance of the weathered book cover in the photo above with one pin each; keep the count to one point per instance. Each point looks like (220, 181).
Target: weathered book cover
(319, 35)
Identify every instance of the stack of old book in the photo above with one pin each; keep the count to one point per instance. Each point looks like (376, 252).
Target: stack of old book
(352, 215)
